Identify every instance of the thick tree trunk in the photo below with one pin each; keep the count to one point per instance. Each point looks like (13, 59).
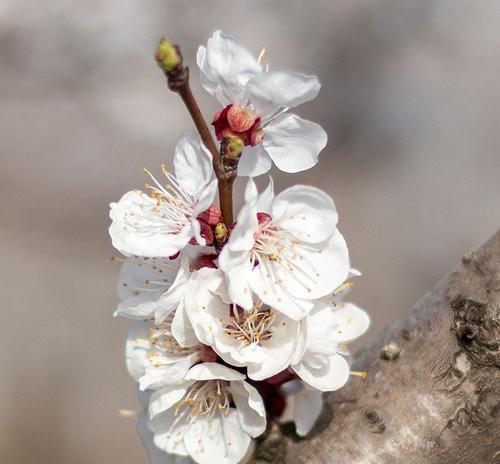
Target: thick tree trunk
(432, 394)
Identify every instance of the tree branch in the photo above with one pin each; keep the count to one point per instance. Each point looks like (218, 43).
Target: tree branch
(432, 394)
(169, 58)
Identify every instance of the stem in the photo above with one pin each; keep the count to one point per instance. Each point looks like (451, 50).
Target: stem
(178, 81)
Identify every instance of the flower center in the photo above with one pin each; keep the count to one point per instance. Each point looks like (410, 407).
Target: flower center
(204, 399)
(250, 326)
(277, 250)
(174, 206)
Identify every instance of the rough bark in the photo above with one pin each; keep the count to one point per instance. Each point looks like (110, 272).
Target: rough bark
(432, 394)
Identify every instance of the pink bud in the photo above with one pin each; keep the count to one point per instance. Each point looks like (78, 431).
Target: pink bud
(212, 216)
(240, 119)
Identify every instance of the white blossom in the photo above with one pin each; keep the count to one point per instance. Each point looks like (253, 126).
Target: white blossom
(211, 416)
(163, 222)
(286, 249)
(255, 102)
(330, 326)
(261, 339)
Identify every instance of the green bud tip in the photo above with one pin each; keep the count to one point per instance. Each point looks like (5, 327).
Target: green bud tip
(167, 56)
(234, 147)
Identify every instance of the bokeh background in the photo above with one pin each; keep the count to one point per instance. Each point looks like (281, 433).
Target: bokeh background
(411, 102)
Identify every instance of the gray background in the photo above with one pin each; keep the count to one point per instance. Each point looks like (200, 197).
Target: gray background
(411, 102)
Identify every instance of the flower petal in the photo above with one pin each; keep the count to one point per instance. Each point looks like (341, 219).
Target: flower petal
(254, 161)
(329, 377)
(154, 454)
(265, 199)
(227, 64)
(168, 433)
(250, 408)
(294, 143)
(167, 371)
(308, 406)
(163, 399)
(136, 349)
(351, 321)
(211, 370)
(193, 163)
(307, 212)
(271, 91)
(218, 440)
(204, 201)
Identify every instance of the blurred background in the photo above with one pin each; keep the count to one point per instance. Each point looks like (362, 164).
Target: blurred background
(411, 102)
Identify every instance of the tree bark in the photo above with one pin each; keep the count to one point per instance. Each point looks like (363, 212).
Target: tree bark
(432, 394)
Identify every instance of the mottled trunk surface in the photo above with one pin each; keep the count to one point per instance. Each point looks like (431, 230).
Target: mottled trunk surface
(432, 394)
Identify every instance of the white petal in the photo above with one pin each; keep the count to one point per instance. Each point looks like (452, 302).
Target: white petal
(242, 236)
(166, 397)
(351, 322)
(167, 371)
(265, 199)
(321, 331)
(168, 433)
(193, 163)
(250, 408)
(294, 143)
(277, 350)
(325, 264)
(145, 233)
(229, 65)
(204, 201)
(182, 330)
(136, 348)
(331, 376)
(273, 90)
(307, 212)
(308, 406)
(211, 370)
(154, 454)
(274, 295)
(220, 440)
(254, 161)
(143, 279)
(237, 269)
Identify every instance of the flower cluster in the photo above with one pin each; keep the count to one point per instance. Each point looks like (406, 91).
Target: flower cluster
(235, 324)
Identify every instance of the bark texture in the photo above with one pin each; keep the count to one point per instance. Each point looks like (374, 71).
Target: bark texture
(432, 394)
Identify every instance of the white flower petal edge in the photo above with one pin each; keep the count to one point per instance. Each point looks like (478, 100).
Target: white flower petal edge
(230, 73)
(196, 418)
(294, 143)
(162, 223)
(308, 406)
(324, 365)
(289, 255)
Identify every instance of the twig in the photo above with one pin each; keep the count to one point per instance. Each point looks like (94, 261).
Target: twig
(169, 58)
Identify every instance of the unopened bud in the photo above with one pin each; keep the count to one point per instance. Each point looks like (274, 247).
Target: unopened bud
(220, 232)
(233, 147)
(167, 56)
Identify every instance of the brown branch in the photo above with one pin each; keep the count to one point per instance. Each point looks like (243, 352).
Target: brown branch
(432, 394)
(169, 58)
